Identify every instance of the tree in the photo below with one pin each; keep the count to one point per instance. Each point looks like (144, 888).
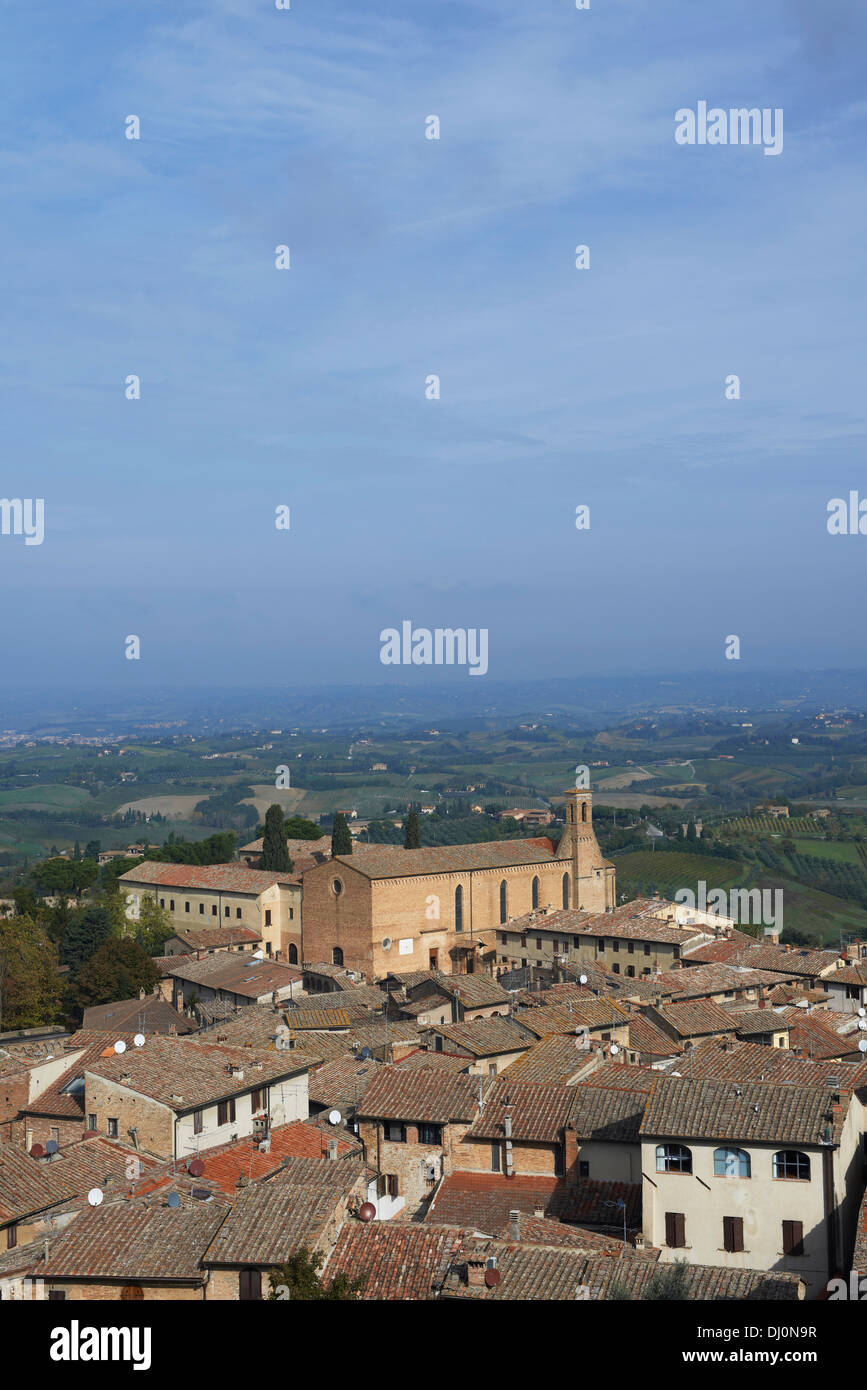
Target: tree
(30, 985)
(154, 926)
(412, 838)
(25, 902)
(76, 853)
(668, 1284)
(93, 849)
(275, 854)
(299, 1279)
(85, 933)
(341, 840)
(118, 970)
(299, 828)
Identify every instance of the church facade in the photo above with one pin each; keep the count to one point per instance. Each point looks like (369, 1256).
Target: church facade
(385, 909)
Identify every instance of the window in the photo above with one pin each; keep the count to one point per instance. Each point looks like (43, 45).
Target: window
(226, 1112)
(293, 954)
(793, 1238)
(492, 1069)
(566, 893)
(392, 1185)
(336, 887)
(503, 903)
(226, 911)
(576, 942)
(675, 1230)
(430, 1134)
(459, 908)
(213, 909)
(615, 945)
(337, 956)
(647, 948)
(538, 943)
(673, 1158)
(631, 947)
(583, 1168)
(504, 938)
(250, 1284)
(238, 913)
(733, 1234)
(171, 904)
(112, 1129)
(291, 913)
(197, 1122)
(56, 1295)
(395, 1132)
(495, 1157)
(615, 969)
(731, 1163)
(630, 970)
(91, 1122)
(790, 1163)
(438, 1042)
(259, 1099)
(559, 1161)
(186, 907)
(162, 902)
(11, 1236)
(535, 892)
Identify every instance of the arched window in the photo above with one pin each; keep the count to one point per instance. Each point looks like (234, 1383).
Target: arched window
(673, 1158)
(503, 901)
(571, 810)
(791, 1163)
(731, 1163)
(459, 908)
(293, 954)
(565, 890)
(583, 810)
(337, 956)
(535, 892)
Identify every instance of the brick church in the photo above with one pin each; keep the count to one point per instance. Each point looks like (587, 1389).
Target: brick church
(386, 909)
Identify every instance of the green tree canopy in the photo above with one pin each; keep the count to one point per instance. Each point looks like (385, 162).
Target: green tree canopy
(412, 836)
(299, 1279)
(118, 970)
(275, 854)
(341, 840)
(30, 985)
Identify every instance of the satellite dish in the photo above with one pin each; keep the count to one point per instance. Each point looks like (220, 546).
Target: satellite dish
(386, 943)
(139, 1039)
(614, 1049)
(862, 1013)
(364, 1053)
(582, 979)
(334, 1117)
(367, 1211)
(120, 1046)
(196, 1168)
(37, 1151)
(492, 1278)
(94, 1196)
(173, 1200)
(862, 1023)
(862, 1046)
(257, 955)
(52, 1146)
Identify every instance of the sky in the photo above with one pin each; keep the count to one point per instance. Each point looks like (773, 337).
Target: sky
(410, 257)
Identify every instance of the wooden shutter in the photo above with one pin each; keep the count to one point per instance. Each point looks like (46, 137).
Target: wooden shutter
(793, 1238)
(733, 1233)
(675, 1229)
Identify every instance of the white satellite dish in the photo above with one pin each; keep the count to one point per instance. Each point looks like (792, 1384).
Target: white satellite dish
(862, 1046)
(94, 1196)
(139, 1039)
(614, 1049)
(334, 1117)
(862, 1013)
(257, 955)
(862, 1023)
(120, 1046)
(582, 979)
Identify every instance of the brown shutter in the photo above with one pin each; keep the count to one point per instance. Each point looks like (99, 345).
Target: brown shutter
(733, 1233)
(675, 1229)
(793, 1238)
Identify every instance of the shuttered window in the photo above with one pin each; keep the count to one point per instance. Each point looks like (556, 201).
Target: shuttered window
(793, 1238)
(733, 1233)
(675, 1229)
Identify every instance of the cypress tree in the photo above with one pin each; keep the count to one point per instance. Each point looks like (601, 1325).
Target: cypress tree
(275, 854)
(341, 840)
(412, 839)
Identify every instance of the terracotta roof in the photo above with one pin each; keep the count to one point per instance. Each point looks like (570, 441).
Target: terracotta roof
(425, 1060)
(746, 1061)
(326, 1019)
(342, 1081)
(215, 938)
(237, 973)
(484, 1200)
(390, 861)
(696, 1017)
(64, 1098)
(698, 981)
(215, 878)
(149, 1015)
(246, 1161)
(681, 1108)
(791, 960)
(129, 1240)
(539, 1111)
(554, 1058)
(855, 974)
(569, 1017)
(813, 1035)
(749, 1022)
(617, 925)
(646, 1038)
(271, 1220)
(476, 991)
(28, 1186)
(185, 1075)
(296, 848)
(484, 1037)
(433, 1097)
(718, 952)
(402, 1261)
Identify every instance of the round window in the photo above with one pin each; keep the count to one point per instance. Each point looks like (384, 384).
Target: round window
(336, 887)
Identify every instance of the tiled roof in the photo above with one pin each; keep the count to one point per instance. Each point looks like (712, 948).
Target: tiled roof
(64, 1098)
(476, 991)
(149, 1015)
(484, 1037)
(215, 878)
(855, 974)
(859, 1255)
(749, 1022)
(484, 1200)
(696, 1017)
(433, 1097)
(28, 1186)
(232, 1165)
(401, 1261)
(271, 1220)
(683, 1108)
(698, 981)
(414, 1007)
(746, 1061)
(296, 848)
(608, 1116)
(236, 973)
(342, 1081)
(186, 1075)
(553, 1058)
(309, 1017)
(646, 1038)
(360, 1000)
(130, 1240)
(789, 960)
(569, 1017)
(390, 861)
(425, 1060)
(539, 1111)
(813, 1035)
(617, 925)
(718, 952)
(216, 938)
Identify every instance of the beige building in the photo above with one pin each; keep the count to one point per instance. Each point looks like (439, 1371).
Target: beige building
(223, 896)
(384, 908)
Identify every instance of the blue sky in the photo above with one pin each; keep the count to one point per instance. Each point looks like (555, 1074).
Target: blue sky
(409, 257)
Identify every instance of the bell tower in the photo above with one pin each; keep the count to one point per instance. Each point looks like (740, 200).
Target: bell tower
(592, 886)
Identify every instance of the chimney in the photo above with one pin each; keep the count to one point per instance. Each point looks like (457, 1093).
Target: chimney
(141, 994)
(332, 1148)
(570, 1146)
(476, 1272)
(514, 1225)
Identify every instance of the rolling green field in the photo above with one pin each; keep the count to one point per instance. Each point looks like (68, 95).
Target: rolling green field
(667, 870)
(846, 852)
